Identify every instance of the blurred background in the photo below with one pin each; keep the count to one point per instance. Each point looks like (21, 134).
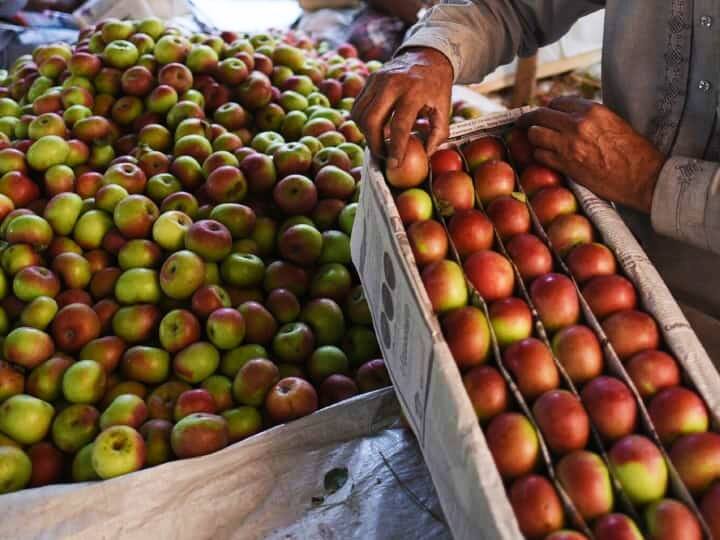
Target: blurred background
(376, 28)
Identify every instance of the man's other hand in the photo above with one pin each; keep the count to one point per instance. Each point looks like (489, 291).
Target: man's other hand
(596, 148)
(418, 80)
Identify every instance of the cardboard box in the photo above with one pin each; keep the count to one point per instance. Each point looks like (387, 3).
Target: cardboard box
(428, 383)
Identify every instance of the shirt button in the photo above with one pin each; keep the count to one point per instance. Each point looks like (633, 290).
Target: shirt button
(706, 21)
(704, 85)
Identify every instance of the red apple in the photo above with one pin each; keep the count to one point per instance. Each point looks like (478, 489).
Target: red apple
(568, 231)
(445, 286)
(677, 411)
(491, 274)
(668, 519)
(470, 231)
(74, 326)
(414, 168)
(532, 366)
(511, 320)
(48, 464)
(493, 179)
(513, 443)
(199, 434)
(537, 506)
(209, 239)
(566, 534)
(414, 205)
(611, 407)
(578, 350)
(453, 192)
(487, 391)
(226, 184)
(556, 301)
(482, 150)
(640, 467)
(521, 151)
(468, 336)
(295, 194)
(551, 202)
(197, 400)
(586, 480)
(445, 160)
(137, 81)
(609, 294)
(651, 371)
(336, 388)
(616, 527)
(372, 375)
(18, 187)
(531, 256)
(428, 241)
(587, 261)
(697, 460)
(291, 398)
(536, 177)
(710, 508)
(562, 421)
(631, 332)
(509, 215)
(127, 175)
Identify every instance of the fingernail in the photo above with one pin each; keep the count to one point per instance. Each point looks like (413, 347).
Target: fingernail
(393, 163)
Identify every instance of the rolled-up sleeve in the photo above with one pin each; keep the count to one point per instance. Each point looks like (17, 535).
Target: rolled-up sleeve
(479, 35)
(686, 202)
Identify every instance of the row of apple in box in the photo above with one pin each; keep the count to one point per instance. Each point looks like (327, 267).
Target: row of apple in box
(583, 472)
(512, 436)
(604, 294)
(557, 413)
(609, 401)
(669, 409)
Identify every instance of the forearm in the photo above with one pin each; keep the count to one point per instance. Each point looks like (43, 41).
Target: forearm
(686, 202)
(479, 35)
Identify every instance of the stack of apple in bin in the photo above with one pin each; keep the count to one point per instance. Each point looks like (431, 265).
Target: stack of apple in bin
(175, 268)
(586, 442)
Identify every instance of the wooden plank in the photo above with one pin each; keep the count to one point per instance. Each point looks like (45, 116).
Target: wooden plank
(525, 81)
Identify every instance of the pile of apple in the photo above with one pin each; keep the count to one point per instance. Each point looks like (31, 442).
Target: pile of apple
(506, 278)
(175, 273)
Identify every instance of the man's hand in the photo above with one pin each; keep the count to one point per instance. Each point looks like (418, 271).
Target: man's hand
(596, 148)
(419, 80)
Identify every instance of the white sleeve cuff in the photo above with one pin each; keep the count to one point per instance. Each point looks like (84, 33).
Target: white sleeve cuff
(686, 202)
